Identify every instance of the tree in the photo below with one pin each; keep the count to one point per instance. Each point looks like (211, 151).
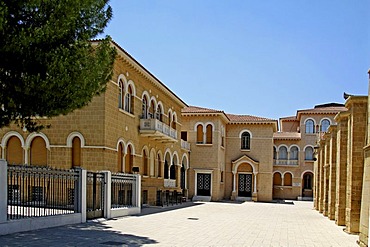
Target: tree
(48, 65)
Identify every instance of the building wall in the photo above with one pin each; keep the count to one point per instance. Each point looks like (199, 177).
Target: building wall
(102, 125)
(206, 157)
(261, 150)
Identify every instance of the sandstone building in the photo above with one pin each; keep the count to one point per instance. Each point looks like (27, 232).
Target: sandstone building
(139, 125)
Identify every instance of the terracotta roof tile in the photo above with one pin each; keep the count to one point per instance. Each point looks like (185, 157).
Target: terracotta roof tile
(196, 109)
(290, 118)
(330, 109)
(247, 118)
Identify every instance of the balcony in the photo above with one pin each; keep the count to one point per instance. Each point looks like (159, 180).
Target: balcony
(157, 130)
(170, 183)
(286, 162)
(185, 145)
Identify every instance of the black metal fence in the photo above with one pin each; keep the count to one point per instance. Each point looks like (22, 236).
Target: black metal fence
(41, 191)
(95, 192)
(123, 186)
(167, 197)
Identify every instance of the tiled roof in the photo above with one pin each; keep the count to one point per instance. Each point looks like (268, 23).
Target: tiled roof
(196, 109)
(290, 118)
(287, 135)
(247, 118)
(321, 110)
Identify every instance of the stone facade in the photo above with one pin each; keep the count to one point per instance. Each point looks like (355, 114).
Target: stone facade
(136, 122)
(342, 186)
(293, 152)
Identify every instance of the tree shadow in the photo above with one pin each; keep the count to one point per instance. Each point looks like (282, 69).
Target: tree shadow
(88, 234)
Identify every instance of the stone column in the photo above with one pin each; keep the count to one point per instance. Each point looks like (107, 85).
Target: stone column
(357, 107)
(365, 203)
(321, 177)
(326, 175)
(234, 181)
(341, 172)
(255, 182)
(332, 170)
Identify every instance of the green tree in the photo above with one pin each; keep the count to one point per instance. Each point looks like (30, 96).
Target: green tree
(48, 65)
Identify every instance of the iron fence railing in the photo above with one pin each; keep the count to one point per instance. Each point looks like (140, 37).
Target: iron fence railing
(95, 190)
(122, 189)
(41, 191)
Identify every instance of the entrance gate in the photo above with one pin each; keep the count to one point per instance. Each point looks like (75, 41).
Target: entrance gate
(203, 184)
(245, 185)
(95, 195)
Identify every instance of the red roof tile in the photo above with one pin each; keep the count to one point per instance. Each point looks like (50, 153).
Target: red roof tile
(247, 118)
(196, 109)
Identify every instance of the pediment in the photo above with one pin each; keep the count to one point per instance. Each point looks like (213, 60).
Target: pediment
(245, 158)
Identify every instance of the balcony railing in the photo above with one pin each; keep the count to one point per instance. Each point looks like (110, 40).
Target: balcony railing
(185, 145)
(158, 130)
(170, 183)
(285, 162)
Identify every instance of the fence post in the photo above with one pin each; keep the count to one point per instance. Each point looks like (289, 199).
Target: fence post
(82, 185)
(137, 193)
(107, 194)
(3, 191)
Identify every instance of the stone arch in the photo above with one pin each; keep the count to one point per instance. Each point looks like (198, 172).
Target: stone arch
(73, 135)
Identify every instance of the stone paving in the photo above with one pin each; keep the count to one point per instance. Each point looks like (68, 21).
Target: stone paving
(199, 224)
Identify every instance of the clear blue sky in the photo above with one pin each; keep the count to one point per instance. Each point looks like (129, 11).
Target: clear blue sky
(264, 58)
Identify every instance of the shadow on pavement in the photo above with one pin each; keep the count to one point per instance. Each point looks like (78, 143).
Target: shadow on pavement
(286, 202)
(89, 234)
(147, 210)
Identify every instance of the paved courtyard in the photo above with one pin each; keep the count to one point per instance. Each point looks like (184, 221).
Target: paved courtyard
(200, 224)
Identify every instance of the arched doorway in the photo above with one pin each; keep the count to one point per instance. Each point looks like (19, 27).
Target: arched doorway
(307, 184)
(14, 151)
(38, 153)
(245, 178)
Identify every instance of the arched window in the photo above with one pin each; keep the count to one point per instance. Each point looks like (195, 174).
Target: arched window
(294, 153)
(325, 125)
(158, 113)
(307, 181)
(200, 133)
(310, 126)
(165, 169)
(283, 153)
(209, 134)
(151, 109)
(38, 152)
(246, 140)
(76, 152)
(308, 153)
(159, 166)
(144, 108)
(120, 158)
(222, 137)
(129, 100)
(183, 177)
(145, 163)
(274, 152)
(277, 179)
(14, 151)
(120, 94)
(173, 171)
(287, 179)
(174, 120)
(129, 160)
(169, 118)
